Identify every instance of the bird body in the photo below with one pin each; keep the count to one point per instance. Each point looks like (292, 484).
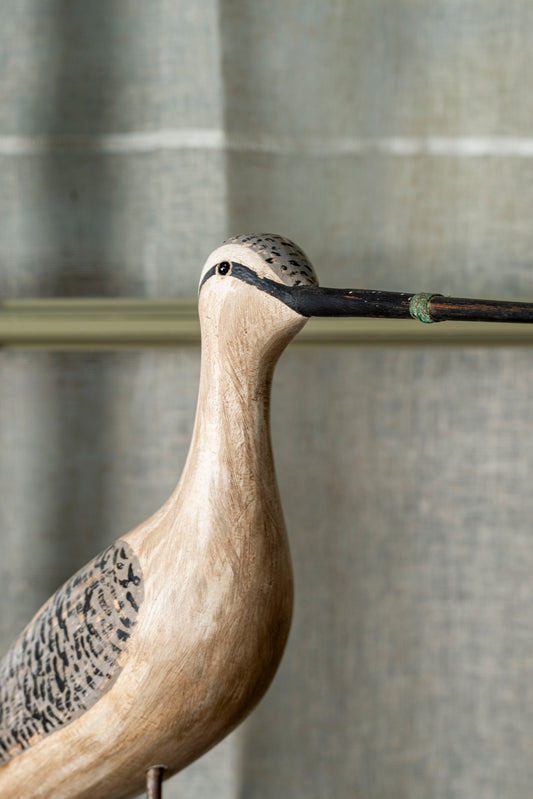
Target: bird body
(159, 647)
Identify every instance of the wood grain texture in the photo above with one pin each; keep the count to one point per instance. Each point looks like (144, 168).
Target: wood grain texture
(216, 576)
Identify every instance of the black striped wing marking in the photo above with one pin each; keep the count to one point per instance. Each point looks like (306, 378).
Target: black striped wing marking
(69, 654)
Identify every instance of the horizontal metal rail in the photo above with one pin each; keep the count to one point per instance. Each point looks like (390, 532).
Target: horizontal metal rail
(111, 324)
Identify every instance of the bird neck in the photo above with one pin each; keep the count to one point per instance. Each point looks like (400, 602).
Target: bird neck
(229, 479)
(230, 460)
(229, 470)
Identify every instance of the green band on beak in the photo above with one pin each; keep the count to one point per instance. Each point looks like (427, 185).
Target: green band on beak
(419, 307)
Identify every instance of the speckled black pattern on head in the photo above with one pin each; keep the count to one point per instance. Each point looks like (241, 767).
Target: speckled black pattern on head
(284, 257)
(69, 654)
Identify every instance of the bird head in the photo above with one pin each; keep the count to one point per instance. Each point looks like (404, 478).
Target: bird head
(272, 286)
(245, 291)
(267, 255)
(256, 273)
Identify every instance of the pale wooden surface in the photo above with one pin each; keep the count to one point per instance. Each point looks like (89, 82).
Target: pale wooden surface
(364, 703)
(216, 576)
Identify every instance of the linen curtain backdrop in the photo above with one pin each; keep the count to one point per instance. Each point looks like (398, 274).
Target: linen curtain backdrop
(393, 141)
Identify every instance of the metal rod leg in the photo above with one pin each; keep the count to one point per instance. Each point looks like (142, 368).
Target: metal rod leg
(154, 778)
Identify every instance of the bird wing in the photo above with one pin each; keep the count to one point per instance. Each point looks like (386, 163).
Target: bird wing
(69, 654)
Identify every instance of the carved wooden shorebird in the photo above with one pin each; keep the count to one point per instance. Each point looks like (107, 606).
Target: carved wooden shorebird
(162, 644)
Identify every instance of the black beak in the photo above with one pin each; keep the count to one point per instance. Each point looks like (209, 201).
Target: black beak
(318, 301)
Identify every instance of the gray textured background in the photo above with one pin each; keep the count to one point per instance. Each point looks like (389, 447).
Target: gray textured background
(405, 474)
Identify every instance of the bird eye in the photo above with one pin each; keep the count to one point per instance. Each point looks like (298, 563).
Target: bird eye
(223, 268)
